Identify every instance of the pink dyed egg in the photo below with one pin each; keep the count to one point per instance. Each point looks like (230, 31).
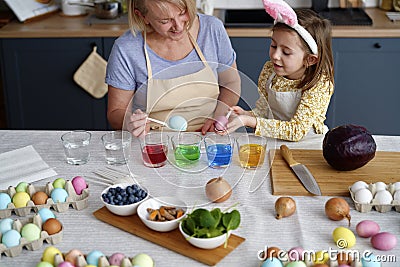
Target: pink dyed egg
(79, 184)
(116, 259)
(65, 264)
(384, 241)
(72, 255)
(220, 123)
(296, 254)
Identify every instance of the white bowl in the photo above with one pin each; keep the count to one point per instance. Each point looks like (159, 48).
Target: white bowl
(156, 203)
(205, 243)
(123, 210)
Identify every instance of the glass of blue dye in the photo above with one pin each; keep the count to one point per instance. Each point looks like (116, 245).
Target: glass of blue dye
(219, 149)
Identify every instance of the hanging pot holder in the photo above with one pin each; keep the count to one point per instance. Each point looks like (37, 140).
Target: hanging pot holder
(91, 74)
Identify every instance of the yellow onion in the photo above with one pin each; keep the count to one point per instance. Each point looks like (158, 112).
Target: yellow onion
(337, 209)
(284, 207)
(218, 190)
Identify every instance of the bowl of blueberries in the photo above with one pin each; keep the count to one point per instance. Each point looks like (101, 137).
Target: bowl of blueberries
(124, 198)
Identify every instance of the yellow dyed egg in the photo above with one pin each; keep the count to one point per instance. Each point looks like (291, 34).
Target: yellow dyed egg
(20, 199)
(142, 260)
(49, 253)
(320, 257)
(343, 237)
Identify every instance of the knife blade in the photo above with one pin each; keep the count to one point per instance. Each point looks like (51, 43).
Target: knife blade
(301, 171)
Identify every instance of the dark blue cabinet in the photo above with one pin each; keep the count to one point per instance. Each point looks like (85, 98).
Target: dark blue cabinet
(367, 88)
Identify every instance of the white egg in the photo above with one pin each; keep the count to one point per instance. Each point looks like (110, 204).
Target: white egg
(396, 186)
(396, 195)
(383, 197)
(363, 196)
(380, 186)
(177, 123)
(358, 185)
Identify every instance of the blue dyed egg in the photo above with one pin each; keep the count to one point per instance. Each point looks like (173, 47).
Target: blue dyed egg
(93, 257)
(11, 238)
(59, 195)
(272, 262)
(177, 123)
(46, 214)
(5, 199)
(370, 261)
(6, 225)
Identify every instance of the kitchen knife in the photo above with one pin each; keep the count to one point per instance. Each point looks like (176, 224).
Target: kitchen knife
(301, 171)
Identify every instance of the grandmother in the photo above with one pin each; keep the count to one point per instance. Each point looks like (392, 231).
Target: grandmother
(172, 61)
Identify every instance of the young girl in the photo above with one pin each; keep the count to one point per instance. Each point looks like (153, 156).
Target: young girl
(296, 85)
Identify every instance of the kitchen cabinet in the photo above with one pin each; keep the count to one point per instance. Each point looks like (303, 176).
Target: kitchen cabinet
(38, 84)
(366, 85)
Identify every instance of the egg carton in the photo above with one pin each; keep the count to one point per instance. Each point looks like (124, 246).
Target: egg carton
(103, 261)
(374, 204)
(78, 202)
(33, 245)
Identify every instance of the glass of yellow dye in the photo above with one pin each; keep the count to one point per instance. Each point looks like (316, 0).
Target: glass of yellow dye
(252, 150)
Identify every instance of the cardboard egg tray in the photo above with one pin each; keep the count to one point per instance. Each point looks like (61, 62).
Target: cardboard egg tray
(361, 207)
(33, 245)
(78, 202)
(103, 261)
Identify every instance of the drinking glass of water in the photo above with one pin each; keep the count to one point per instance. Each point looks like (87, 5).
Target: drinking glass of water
(219, 150)
(117, 145)
(76, 146)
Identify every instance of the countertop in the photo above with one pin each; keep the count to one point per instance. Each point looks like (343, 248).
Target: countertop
(308, 227)
(59, 26)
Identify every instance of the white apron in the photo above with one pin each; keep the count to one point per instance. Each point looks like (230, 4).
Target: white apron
(193, 96)
(283, 105)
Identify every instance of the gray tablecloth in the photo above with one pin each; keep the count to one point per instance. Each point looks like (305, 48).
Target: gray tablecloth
(308, 227)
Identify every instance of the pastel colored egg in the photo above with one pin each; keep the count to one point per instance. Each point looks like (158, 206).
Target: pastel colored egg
(296, 264)
(5, 199)
(370, 261)
(59, 183)
(344, 237)
(30, 232)
(45, 214)
(220, 123)
(11, 238)
(52, 226)
(143, 260)
(344, 265)
(44, 264)
(72, 255)
(384, 241)
(6, 225)
(39, 198)
(367, 228)
(296, 253)
(21, 187)
(94, 256)
(79, 184)
(272, 262)
(59, 195)
(321, 257)
(65, 264)
(116, 259)
(20, 199)
(178, 123)
(49, 253)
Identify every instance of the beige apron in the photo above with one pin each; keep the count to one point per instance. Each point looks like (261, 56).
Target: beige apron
(193, 96)
(283, 105)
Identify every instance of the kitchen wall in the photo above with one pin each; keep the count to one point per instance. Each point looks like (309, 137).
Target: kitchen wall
(249, 4)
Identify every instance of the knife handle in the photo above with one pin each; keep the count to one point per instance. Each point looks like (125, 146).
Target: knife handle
(287, 155)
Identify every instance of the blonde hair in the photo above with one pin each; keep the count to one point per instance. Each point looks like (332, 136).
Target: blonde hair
(136, 23)
(321, 30)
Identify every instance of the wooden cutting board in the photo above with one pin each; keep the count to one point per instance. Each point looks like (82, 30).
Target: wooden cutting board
(385, 167)
(172, 240)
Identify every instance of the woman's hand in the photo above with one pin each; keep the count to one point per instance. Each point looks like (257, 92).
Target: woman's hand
(208, 126)
(137, 123)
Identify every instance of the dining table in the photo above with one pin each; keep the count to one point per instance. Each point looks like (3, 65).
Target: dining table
(252, 196)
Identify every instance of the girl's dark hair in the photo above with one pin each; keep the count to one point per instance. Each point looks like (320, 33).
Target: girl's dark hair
(321, 30)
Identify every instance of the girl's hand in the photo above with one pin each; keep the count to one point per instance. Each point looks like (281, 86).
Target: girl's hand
(239, 121)
(137, 123)
(239, 111)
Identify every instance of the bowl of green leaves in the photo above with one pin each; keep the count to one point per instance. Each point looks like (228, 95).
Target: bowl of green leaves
(209, 229)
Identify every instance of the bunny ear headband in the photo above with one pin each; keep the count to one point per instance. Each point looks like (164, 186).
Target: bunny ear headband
(282, 12)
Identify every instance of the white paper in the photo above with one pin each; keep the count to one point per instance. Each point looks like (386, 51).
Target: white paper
(26, 9)
(22, 165)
